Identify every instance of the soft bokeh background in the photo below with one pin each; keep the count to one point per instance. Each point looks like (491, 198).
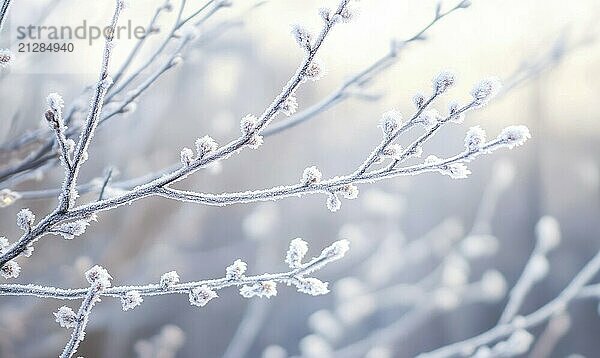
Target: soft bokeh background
(239, 72)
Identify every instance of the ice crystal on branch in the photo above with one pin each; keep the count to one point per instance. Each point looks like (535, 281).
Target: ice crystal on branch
(315, 71)
(55, 102)
(71, 229)
(302, 37)
(419, 100)
(200, 296)
(289, 106)
(514, 136)
(312, 286)
(390, 122)
(205, 145)
(485, 90)
(248, 124)
(25, 219)
(475, 138)
(296, 252)
(430, 118)
(187, 156)
(266, 289)
(311, 175)
(333, 202)
(131, 299)
(443, 81)
(65, 317)
(349, 191)
(10, 270)
(169, 279)
(236, 270)
(98, 277)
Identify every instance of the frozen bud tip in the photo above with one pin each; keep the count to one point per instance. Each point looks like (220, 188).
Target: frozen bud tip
(333, 203)
(302, 36)
(514, 136)
(205, 145)
(311, 175)
(131, 299)
(55, 102)
(296, 252)
(390, 122)
(443, 81)
(312, 286)
(25, 219)
(485, 90)
(11, 269)
(475, 138)
(200, 296)
(169, 279)
(336, 250)
(349, 191)
(236, 270)
(315, 71)
(248, 124)
(65, 317)
(98, 277)
(289, 106)
(187, 156)
(265, 289)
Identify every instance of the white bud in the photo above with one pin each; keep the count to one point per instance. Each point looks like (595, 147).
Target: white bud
(311, 175)
(65, 317)
(169, 279)
(333, 203)
(187, 156)
(485, 90)
(236, 270)
(302, 37)
(200, 296)
(11, 269)
(419, 100)
(296, 252)
(475, 138)
(248, 124)
(513, 136)
(314, 71)
(443, 81)
(430, 118)
(266, 289)
(312, 286)
(390, 122)
(548, 233)
(98, 277)
(289, 106)
(131, 299)
(205, 145)
(349, 191)
(25, 219)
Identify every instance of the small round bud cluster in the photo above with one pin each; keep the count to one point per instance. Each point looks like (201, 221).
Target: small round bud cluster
(302, 37)
(98, 277)
(484, 91)
(333, 203)
(419, 100)
(289, 106)
(25, 219)
(349, 191)
(475, 138)
(442, 82)
(456, 171)
(514, 136)
(200, 296)
(205, 145)
(430, 118)
(11, 269)
(6, 58)
(311, 175)
(131, 299)
(187, 156)
(266, 289)
(248, 124)
(255, 141)
(236, 270)
(312, 286)
(71, 229)
(296, 252)
(65, 317)
(390, 122)
(169, 279)
(315, 71)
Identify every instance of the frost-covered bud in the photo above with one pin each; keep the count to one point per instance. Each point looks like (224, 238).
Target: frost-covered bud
(255, 141)
(55, 102)
(484, 91)
(28, 251)
(315, 71)
(296, 252)
(456, 170)
(236, 270)
(474, 139)
(518, 343)
(336, 250)
(346, 15)
(514, 136)
(289, 106)
(390, 122)
(430, 118)
(98, 277)
(325, 14)
(302, 37)
(493, 284)
(70, 146)
(11, 269)
(187, 156)
(65, 317)
(266, 289)
(71, 229)
(311, 175)
(248, 124)
(419, 100)
(432, 160)
(333, 203)
(455, 114)
(312, 286)
(169, 279)
(25, 219)
(349, 191)
(200, 296)
(393, 151)
(8, 197)
(4, 244)
(548, 233)
(131, 300)
(205, 145)
(443, 81)
(6, 58)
